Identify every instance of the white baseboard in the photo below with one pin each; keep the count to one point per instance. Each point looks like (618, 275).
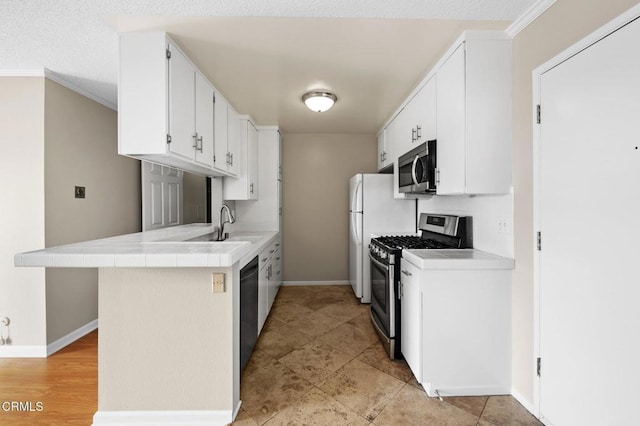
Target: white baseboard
(524, 401)
(24, 351)
(55, 346)
(302, 283)
(465, 391)
(163, 418)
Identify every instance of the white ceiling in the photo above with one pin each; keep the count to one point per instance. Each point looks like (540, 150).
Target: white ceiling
(261, 55)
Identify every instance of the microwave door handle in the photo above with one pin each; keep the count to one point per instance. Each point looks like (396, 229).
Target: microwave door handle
(413, 170)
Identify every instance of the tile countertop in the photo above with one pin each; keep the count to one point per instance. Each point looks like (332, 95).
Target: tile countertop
(456, 259)
(161, 248)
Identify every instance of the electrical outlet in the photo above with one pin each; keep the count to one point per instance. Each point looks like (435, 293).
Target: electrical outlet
(217, 282)
(79, 191)
(503, 225)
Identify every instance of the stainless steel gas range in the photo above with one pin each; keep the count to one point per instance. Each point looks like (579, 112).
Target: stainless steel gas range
(437, 232)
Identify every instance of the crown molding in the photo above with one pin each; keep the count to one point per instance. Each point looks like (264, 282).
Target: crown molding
(55, 77)
(530, 15)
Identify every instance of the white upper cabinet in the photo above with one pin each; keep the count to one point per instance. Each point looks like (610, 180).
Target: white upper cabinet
(181, 104)
(245, 186)
(451, 130)
(205, 98)
(166, 106)
(221, 114)
(426, 118)
(233, 121)
(417, 121)
(383, 160)
(474, 129)
(226, 136)
(265, 212)
(464, 103)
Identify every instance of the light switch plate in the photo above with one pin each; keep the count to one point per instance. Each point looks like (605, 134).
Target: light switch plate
(217, 282)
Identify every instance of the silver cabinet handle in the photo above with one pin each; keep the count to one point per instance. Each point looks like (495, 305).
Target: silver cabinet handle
(264, 260)
(418, 132)
(407, 273)
(437, 176)
(271, 251)
(251, 190)
(195, 140)
(414, 134)
(199, 139)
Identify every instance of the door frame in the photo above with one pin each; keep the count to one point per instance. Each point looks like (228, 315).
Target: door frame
(586, 42)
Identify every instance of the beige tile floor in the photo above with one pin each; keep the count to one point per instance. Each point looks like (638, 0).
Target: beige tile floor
(318, 361)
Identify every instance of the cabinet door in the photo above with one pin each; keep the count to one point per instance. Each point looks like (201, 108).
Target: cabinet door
(381, 152)
(232, 141)
(181, 104)
(451, 104)
(426, 112)
(263, 299)
(221, 113)
(402, 135)
(252, 153)
(411, 317)
(204, 121)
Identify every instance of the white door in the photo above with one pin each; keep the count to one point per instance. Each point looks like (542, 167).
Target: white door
(589, 210)
(162, 197)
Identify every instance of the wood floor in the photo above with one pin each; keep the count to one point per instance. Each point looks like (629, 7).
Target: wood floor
(66, 385)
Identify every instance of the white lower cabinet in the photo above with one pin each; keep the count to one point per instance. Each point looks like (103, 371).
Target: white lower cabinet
(269, 280)
(411, 317)
(456, 328)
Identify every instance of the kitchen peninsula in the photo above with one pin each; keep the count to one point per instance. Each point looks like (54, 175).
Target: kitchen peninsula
(168, 351)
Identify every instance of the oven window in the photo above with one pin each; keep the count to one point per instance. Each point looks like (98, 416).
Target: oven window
(380, 295)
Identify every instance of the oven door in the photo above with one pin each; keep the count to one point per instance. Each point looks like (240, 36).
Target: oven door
(383, 296)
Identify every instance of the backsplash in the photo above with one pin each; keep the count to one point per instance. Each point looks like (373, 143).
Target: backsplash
(492, 218)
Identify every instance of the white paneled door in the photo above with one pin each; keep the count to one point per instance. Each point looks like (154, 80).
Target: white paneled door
(588, 190)
(162, 196)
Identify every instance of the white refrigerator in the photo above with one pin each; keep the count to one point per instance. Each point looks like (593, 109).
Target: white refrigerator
(373, 210)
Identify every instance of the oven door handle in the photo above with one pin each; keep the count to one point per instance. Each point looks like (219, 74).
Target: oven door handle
(377, 262)
(413, 170)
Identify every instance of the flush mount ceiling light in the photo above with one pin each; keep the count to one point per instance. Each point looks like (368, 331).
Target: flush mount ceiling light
(319, 100)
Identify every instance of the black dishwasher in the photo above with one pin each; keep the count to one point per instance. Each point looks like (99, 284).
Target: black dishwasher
(248, 311)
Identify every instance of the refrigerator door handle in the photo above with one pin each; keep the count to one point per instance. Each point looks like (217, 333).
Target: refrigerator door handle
(355, 197)
(355, 227)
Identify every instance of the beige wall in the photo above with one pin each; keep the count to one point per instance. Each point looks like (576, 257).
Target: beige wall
(566, 22)
(81, 149)
(22, 294)
(316, 169)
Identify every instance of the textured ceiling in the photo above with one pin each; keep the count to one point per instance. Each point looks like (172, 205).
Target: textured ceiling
(261, 55)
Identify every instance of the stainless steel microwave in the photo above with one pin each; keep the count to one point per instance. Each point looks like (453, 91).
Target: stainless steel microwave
(417, 169)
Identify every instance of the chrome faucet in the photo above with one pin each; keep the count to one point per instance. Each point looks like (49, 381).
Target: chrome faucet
(229, 219)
